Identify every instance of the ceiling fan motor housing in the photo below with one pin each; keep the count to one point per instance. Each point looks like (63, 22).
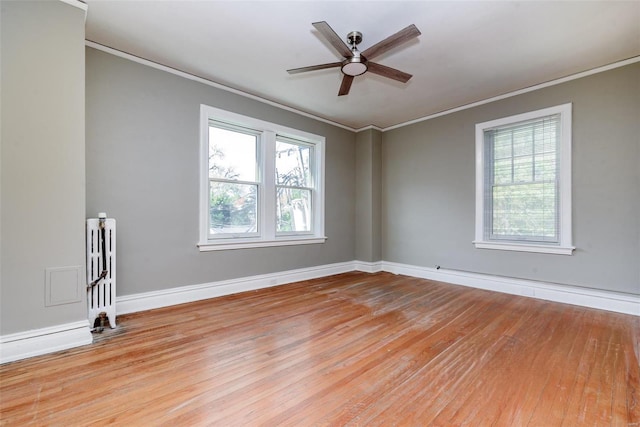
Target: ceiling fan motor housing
(354, 37)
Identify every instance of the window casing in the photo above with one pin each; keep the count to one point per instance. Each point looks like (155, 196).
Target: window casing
(261, 184)
(523, 182)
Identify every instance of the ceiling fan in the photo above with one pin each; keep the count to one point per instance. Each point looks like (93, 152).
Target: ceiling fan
(356, 63)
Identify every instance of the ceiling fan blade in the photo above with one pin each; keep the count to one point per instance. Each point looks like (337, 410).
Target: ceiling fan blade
(314, 67)
(346, 85)
(392, 73)
(338, 44)
(390, 42)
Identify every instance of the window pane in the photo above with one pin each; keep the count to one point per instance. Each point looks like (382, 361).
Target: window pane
(292, 164)
(545, 141)
(293, 207)
(232, 155)
(523, 169)
(501, 144)
(546, 167)
(527, 212)
(233, 208)
(522, 141)
(502, 171)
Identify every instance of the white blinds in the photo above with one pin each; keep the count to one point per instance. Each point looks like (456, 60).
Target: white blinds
(521, 186)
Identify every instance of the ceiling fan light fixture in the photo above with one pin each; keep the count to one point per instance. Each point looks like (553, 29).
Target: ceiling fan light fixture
(354, 66)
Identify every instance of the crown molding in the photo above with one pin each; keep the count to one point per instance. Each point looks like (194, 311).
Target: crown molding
(370, 127)
(211, 83)
(519, 92)
(77, 3)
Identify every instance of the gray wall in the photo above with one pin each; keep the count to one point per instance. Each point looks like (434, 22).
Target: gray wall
(429, 188)
(142, 169)
(368, 195)
(42, 165)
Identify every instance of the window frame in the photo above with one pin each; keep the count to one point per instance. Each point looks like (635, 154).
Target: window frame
(266, 210)
(312, 165)
(564, 246)
(258, 182)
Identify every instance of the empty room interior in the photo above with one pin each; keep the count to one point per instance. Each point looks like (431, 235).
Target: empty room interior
(307, 213)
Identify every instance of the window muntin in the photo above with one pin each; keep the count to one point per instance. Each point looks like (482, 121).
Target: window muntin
(523, 182)
(250, 197)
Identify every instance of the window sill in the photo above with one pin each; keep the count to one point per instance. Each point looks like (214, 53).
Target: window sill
(525, 247)
(228, 244)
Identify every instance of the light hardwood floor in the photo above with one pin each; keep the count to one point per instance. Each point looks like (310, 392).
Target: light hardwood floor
(353, 349)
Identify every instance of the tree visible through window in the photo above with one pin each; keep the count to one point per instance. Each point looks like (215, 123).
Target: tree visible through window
(294, 186)
(233, 180)
(261, 184)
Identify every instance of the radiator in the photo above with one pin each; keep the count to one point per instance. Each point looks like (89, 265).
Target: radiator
(101, 257)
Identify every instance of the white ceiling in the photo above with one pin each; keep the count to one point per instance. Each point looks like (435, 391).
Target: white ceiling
(468, 51)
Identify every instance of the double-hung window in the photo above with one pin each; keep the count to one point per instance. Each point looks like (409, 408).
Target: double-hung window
(294, 186)
(234, 180)
(523, 182)
(261, 184)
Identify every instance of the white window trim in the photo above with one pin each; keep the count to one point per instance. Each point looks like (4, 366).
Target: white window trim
(267, 236)
(565, 246)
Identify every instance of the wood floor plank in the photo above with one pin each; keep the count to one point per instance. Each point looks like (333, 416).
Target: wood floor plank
(550, 407)
(438, 357)
(351, 349)
(499, 348)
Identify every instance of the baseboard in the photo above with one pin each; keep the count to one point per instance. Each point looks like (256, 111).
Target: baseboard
(603, 300)
(36, 342)
(62, 337)
(367, 267)
(585, 297)
(183, 294)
